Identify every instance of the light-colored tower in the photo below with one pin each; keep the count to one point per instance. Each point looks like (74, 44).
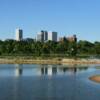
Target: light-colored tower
(19, 34)
(42, 36)
(52, 36)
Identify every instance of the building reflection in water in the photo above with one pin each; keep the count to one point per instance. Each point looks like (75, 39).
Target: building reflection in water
(60, 70)
(18, 70)
(54, 69)
(47, 70)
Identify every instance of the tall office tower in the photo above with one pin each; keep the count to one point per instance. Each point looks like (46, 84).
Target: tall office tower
(42, 36)
(45, 36)
(52, 36)
(19, 34)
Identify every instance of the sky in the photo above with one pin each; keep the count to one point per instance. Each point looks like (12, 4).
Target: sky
(67, 17)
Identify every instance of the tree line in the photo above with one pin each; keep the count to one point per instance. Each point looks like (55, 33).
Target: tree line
(36, 48)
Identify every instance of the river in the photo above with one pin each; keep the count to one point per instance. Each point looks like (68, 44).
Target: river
(48, 82)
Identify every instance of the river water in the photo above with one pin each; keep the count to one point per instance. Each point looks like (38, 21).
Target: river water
(48, 82)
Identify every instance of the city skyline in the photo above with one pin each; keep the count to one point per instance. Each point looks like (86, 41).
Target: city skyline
(67, 17)
(41, 36)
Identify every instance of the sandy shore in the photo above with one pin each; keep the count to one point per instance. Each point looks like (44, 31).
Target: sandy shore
(95, 78)
(81, 61)
(48, 61)
(28, 61)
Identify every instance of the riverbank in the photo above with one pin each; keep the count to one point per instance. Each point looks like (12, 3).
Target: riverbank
(81, 61)
(49, 61)
(29, 61)
(95, 78)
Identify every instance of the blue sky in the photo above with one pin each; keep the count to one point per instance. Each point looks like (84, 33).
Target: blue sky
(67, 17)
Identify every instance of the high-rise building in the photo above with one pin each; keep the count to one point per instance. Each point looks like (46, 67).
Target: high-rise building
(52, 36)
(45, 36)
(19, 34)
(42, 36)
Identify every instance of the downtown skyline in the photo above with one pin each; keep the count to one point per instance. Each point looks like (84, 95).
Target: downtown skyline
(67, 17)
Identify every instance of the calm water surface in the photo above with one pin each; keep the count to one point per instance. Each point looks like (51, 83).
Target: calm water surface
(48, 82)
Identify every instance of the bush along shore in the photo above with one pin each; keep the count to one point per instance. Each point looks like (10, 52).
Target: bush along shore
(49, 52)
(62, 48)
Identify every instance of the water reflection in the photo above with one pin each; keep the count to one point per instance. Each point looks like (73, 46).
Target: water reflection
(18, 70)
(48, 88)
(30, 70)
(48, 70)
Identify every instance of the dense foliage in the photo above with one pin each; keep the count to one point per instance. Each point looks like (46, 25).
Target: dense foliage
(31, 47)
